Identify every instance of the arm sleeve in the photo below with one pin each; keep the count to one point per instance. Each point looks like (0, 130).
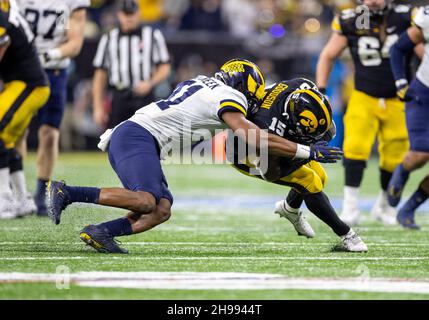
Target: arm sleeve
(160, 49)
(398, 56)
(100, 59)
(336, 25)
(232, 103)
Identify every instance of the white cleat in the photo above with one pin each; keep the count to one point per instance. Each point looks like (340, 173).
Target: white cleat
(351, 217)
(7, 207)
(352, 242)
(26, 206)
(383, 212)
(297, 219)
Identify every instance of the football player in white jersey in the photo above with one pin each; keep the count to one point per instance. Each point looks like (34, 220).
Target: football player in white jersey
(136, 146)
(58, 26)
(417, 112)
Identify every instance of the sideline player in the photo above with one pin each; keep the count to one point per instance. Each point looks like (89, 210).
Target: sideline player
(58, 26)
(417, 113)
(373, 111)
(136, 146)
(297, 111)
(25, 91)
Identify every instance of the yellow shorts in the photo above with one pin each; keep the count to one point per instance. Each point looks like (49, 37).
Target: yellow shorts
(309, 178)
(18, 104)
(367, 118)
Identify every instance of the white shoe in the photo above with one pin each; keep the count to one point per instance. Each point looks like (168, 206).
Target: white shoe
(351, 217)
(26, 206)
(383, 212)
(352, 242)
(7, 206)
(298, 220)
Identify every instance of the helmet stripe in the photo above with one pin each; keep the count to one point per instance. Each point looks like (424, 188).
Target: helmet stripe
(321, 103)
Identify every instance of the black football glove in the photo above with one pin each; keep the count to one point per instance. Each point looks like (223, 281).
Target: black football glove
(322, 152)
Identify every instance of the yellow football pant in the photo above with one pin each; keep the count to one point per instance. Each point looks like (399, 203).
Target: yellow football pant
(18, 104)
(310, 178)
(367, 118)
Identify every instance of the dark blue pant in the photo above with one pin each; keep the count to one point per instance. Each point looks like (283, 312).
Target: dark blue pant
(417, 112)
(134, 155)
(52, 112)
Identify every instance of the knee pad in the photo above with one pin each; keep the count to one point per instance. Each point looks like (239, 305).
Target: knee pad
(15, 161)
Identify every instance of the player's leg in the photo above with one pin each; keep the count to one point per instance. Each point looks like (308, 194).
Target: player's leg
(407, 212)
(361, 127)
(417, 116)
(310, 181)
(49, 120)
(393, 145)
(23, 102)
(7, 208)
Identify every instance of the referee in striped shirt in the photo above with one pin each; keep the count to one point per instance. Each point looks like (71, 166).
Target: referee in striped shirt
(132, 59)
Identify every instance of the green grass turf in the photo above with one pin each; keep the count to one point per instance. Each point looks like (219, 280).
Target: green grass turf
(250, 239)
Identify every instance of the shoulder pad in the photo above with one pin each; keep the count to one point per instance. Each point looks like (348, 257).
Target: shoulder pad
(348, 14)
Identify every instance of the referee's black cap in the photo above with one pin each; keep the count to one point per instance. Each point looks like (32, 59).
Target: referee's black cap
(129, 6)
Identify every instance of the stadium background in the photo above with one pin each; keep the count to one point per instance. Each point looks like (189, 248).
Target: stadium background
(222, 221)
(284, 37)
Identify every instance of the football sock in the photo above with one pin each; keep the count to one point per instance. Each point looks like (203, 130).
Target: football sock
(400, 176)
(385, 177)
(416, 200)
(4, 157)
(41, 188)
(4, 180)
(321, 207)
(351, 199)
(17, 181)
(83, 194)
(119, 227)
(354, 172)
(15, 161)
(294, 200)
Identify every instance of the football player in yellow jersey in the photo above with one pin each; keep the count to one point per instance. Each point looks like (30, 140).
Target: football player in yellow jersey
(297, 111)
(374, 111)
(25, 91)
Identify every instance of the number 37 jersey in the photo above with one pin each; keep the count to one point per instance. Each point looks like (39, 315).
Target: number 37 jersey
(192, 112)
(370, 46)
(49, 20)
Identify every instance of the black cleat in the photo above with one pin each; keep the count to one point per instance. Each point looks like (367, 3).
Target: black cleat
(100, 239)
(58, 200)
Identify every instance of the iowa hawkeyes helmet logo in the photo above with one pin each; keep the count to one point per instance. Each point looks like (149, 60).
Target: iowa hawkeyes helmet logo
(309, 121)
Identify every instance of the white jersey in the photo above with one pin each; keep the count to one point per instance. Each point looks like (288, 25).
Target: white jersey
(49, 20)
(194, 105)
(422, 21)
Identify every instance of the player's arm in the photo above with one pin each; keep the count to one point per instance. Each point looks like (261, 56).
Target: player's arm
(278, 146)
(398, 58)
(98, 88)
(75, 37)
(332, 51)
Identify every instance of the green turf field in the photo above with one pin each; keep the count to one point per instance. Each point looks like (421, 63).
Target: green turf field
(222, 222)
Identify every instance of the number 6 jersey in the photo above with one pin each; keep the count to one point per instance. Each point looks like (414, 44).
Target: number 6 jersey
(49, 21)
(370, 47)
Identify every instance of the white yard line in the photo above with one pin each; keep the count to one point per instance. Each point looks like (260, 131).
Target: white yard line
(217, 281)
(360, 257)
(208, 244)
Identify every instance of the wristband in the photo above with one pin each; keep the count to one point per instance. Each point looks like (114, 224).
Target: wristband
(401, 82)
(302, 152)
